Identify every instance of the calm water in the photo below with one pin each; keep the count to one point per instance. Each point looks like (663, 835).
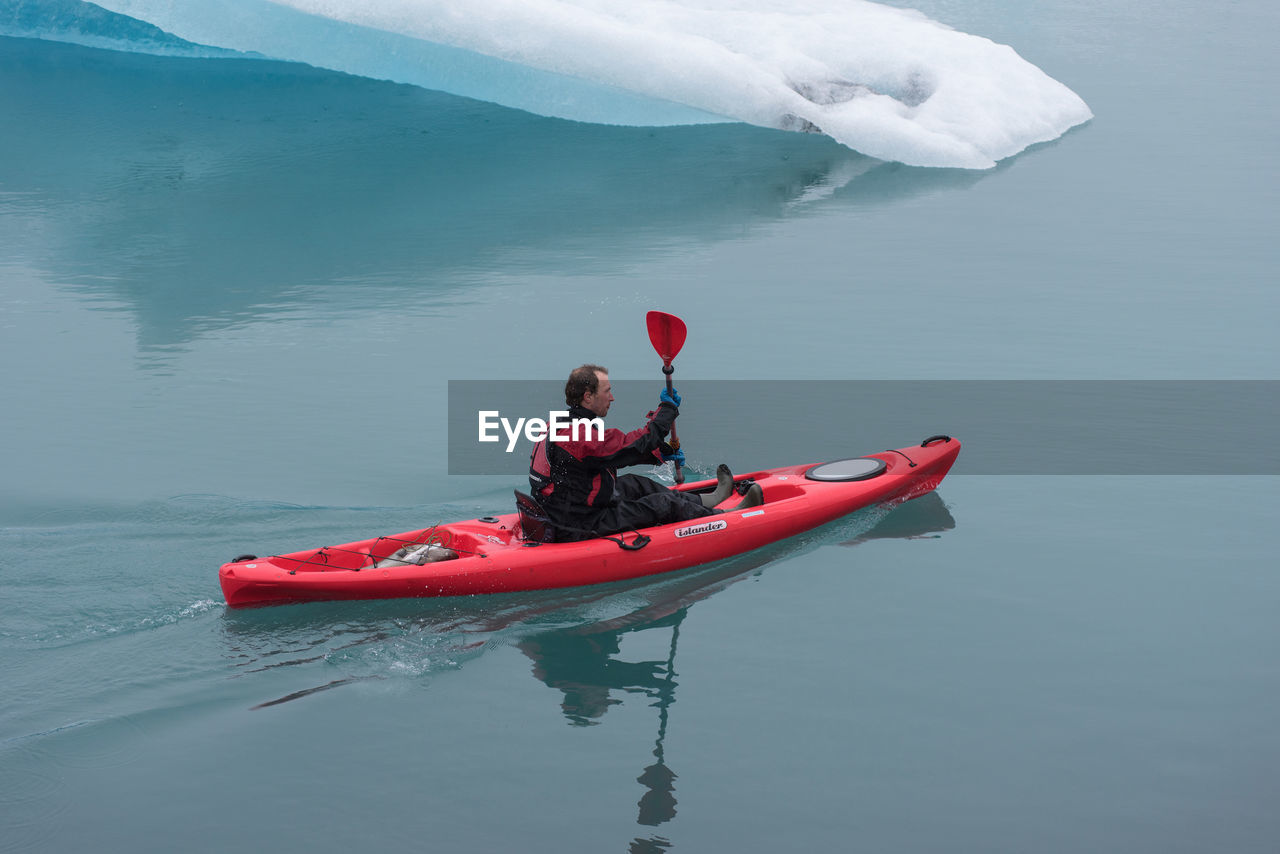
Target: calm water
(233, 293)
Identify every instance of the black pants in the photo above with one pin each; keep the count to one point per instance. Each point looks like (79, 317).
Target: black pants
(642, 503)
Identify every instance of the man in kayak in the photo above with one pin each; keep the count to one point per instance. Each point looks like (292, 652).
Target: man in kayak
(577, 481)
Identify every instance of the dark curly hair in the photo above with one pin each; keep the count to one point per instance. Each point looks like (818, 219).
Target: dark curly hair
(581, 381)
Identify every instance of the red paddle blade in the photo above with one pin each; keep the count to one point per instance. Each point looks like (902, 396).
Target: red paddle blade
(667, 333)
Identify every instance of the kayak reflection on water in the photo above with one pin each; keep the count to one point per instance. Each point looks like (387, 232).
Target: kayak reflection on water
(920, 518)
(582, 662)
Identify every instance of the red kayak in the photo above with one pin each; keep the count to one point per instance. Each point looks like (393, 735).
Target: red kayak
(491, 555)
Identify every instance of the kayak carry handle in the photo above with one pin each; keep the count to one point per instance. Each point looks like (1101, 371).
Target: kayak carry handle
(635, 545)
(941, 437)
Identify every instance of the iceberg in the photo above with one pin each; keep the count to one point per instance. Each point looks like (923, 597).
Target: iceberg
(887, 82)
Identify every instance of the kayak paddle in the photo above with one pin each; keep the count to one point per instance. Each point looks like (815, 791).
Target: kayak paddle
(667, 333)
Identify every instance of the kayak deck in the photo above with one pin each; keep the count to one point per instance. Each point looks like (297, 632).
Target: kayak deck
(491, 556)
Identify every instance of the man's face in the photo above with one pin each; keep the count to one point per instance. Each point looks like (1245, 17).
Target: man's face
(599, 400)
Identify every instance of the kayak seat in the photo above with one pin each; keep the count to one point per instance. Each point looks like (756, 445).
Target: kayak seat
(535, 527)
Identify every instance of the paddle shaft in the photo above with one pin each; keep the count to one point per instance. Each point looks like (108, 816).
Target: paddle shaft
(675, 440)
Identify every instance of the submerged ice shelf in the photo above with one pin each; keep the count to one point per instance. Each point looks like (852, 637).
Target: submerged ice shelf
(887, 82)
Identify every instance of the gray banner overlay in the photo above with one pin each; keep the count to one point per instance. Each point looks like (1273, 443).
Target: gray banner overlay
(1024, 427)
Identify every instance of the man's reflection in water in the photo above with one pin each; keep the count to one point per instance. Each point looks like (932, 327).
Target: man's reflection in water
(581, 664)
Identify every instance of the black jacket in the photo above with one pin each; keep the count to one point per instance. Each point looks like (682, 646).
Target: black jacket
(574, 480)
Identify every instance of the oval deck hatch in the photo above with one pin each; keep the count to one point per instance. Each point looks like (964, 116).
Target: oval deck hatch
(859, 468)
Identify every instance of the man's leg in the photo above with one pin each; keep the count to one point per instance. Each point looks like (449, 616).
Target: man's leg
(638, 486)
(645, 502)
